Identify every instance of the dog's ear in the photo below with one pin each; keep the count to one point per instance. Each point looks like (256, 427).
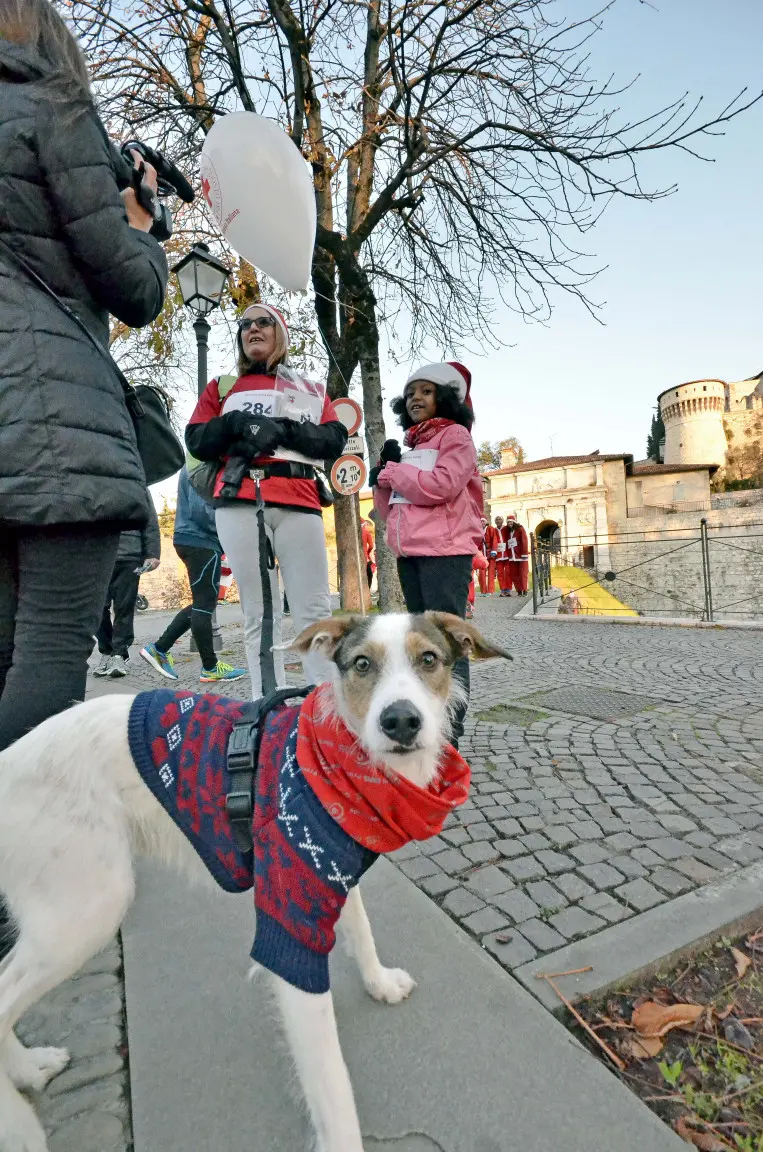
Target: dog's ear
(324, 636)
(464, 637)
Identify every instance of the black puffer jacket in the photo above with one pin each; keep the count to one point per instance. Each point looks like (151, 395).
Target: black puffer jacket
(67, 447)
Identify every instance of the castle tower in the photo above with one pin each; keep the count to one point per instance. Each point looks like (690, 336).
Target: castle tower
(693, 417)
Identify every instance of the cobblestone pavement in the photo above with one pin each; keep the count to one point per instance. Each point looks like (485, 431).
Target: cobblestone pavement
(614, 768)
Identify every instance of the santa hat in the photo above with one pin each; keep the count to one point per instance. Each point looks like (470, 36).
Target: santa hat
(511, 515)
(277, 316)
(449, 374)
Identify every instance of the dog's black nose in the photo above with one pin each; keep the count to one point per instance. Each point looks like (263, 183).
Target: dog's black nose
(401, 722)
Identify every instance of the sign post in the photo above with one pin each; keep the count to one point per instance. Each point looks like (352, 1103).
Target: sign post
(349, 474)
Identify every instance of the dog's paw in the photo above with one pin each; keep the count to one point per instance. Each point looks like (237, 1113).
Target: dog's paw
(390, 985)
(33, 1068)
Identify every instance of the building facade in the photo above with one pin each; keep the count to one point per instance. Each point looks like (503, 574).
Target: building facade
(715, 422)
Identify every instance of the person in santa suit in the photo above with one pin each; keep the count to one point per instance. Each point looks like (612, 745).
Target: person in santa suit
(368, 538)
(517, 556)
(491, 539)
(501, 565)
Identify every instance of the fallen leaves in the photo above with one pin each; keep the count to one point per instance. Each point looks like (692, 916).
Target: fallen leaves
(651, 1019)
(641, 1047)
(742, 961)
(705, 1141)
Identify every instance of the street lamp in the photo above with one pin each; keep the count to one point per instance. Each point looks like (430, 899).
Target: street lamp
(202, 279)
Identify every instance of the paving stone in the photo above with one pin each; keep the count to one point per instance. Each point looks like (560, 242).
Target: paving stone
(546, 896)
(628, 866)
(437, 885)
(713, 859)
(91, 1039)
(516, 905)
(97, 1132)
(560, 836)
(460, 902)
(572, 886)
(574, 922)
(604, 904)
(419, 867)
(721, 826)
(586, 830)
(489, 881)
(741, 850)
(673, 823)
(695, 870)
(480, 852)
(485, 920)
(103, 1095)
(524, 868)
(535, 842)
(532, 823)
(647, 857)
(455, 836)
(541, 935)
(480, 832)
(407, 852)
(86, 1072)
(510, 948)
(669, 881)
(517, 811)
(601, 876)
(508, 827)
(451, 860)
(621, 842)
(432, 846)
(589, 853)
(509, 848)
(555, 862)
(639, 894)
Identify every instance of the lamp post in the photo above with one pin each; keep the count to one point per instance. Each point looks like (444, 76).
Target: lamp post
(202, 279)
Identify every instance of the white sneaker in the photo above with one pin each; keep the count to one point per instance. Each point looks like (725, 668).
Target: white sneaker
(118, 667)
(104, 668)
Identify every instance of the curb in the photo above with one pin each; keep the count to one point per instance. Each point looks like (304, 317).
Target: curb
(638, 948)
(526, 613)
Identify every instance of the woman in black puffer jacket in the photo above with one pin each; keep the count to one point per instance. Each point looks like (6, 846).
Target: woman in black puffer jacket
(70, 475)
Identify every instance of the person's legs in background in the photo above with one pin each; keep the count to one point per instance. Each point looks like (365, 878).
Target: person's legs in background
(300, 546)
(203, 567)
(124, 592)
(440, 584)
(504, 577)
(237, 530)
(59, 577)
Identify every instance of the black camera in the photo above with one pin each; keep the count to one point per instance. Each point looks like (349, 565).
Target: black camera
(170, 182)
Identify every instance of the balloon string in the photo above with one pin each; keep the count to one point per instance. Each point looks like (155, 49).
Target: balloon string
(374, 450)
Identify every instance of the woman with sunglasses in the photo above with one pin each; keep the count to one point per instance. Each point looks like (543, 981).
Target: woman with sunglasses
(242, 423)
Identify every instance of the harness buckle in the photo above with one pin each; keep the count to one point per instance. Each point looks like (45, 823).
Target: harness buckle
(242, 765)
(257, 474)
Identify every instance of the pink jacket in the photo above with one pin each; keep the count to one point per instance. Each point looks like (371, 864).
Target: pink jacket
(443, 516)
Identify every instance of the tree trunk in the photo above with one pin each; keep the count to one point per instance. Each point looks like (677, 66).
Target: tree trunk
(354, 595)
(367, 343)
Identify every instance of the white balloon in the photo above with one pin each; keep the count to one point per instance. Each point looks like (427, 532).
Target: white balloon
(260, 192)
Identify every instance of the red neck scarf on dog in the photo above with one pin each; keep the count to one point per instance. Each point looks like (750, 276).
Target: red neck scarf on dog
(379, 812)
(420, 433)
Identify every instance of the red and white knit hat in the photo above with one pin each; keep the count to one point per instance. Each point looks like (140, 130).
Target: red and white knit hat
(448, 373)
(277, 316)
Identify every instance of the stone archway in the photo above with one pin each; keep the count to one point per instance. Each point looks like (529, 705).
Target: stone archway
(548, 535)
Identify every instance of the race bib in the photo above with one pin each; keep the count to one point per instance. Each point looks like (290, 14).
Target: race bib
(421, 458)
(257, 402)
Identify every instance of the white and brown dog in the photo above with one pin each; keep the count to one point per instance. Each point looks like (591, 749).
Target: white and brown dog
(75, 811)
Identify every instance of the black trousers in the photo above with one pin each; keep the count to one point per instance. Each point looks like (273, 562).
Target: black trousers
(203, 565)
(439, 584)
(115, 637)
(53, 582)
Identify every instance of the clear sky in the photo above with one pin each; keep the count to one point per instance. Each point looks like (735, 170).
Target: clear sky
(682, 286)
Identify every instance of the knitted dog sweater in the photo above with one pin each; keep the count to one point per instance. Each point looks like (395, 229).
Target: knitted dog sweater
(303, 863)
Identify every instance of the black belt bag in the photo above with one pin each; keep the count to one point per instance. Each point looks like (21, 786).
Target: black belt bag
(289, 469)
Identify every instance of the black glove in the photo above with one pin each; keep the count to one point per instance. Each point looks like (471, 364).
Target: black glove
(373, 476)
(390, 453)
(260, 436)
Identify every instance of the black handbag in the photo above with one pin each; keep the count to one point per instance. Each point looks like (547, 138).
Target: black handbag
(160, 450)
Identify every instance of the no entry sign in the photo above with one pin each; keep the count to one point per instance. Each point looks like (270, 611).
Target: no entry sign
(349, 413)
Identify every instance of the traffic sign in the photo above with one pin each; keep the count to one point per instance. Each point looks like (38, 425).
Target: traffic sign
(349, 413)
(354, 446)
(348, 474)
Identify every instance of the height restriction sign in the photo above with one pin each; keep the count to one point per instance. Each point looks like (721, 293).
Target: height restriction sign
(348, 475)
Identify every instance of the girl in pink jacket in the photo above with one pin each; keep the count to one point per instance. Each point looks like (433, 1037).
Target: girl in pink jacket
(431, 497)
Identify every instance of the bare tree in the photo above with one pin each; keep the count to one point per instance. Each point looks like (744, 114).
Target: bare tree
(459, 150)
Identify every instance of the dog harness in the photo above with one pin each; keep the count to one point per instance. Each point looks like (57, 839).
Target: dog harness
(320, 809)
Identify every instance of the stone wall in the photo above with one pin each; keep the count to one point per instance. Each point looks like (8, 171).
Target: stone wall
(671, 583)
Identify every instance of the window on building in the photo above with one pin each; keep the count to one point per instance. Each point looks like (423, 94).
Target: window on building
(588, 560)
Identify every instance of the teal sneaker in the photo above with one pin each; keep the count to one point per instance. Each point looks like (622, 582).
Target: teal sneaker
(221, 672)
(161, 662)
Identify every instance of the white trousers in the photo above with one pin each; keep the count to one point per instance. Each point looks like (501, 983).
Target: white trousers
(299, 544)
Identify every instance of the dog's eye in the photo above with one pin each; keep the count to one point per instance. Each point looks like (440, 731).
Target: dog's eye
(428, 659)
(361, 664)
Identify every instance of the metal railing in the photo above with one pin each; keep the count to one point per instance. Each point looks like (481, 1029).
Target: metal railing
(705, 572)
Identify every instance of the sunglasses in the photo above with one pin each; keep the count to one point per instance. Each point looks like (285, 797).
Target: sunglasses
(261, 322)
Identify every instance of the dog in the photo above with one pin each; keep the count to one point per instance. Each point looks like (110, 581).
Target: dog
(75, 811)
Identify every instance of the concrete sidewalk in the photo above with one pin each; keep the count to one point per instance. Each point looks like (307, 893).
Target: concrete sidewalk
(471, 1063)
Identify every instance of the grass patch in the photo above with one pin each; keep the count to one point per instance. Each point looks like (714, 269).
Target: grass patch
(705, 1078)
(507, 714)
(594, 598)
